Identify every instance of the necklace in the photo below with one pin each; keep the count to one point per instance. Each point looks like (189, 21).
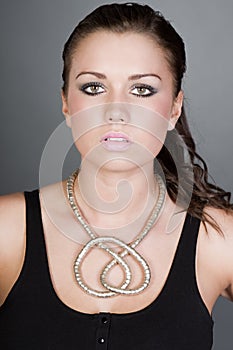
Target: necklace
(116, 258)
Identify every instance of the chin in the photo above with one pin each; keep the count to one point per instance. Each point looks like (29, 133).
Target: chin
(122, 166)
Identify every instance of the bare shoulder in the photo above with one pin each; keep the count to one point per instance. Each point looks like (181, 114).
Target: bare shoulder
(12, 240)
(223, 219)
(221, 246)
(12, 215)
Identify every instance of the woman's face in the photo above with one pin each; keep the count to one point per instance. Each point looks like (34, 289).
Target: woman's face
(128, 69)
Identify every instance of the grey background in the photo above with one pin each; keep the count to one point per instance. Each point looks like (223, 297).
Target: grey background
(32, 36)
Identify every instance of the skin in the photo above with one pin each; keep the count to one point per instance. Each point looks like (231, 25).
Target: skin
(118, 57)
(115, 70)
(119, 68)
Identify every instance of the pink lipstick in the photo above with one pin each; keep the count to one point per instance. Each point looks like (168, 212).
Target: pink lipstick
(115, 141)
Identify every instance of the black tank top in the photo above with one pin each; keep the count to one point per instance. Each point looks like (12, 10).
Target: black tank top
(34, 318)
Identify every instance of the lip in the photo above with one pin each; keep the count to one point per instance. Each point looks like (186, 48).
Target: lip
(115, 141)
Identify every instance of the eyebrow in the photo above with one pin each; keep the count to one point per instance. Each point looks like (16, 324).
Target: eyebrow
(98, 75)
(139, 76)
(131, 77)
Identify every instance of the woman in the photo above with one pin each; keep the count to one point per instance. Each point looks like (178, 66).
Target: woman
(133, 285)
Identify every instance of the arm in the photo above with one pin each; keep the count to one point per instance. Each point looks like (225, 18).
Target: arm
(228, 257)
(223, 251)
(12, 241)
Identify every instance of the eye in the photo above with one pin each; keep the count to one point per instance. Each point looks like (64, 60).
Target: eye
(92, 88)
(143, 90)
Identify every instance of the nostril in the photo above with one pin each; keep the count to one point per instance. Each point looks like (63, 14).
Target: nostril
(116, 114)
(116, 119)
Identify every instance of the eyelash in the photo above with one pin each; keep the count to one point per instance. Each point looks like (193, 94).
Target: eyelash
(151, 89)
(84, 88)
(147, 87)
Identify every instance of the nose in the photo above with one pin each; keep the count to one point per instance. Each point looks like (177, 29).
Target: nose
(117, 113)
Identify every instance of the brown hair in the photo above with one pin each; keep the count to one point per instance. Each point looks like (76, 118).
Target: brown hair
(136, 18)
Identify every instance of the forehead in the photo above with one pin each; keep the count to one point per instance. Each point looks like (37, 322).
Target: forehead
(126, 51)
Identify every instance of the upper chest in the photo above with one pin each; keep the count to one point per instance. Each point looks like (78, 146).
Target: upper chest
(158, 249)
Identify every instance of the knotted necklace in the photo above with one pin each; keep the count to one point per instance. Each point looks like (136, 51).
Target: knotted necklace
(116, 258)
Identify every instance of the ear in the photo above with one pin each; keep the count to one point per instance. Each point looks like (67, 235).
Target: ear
(65, 109)
(176, 110)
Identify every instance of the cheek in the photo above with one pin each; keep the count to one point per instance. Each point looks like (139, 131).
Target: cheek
(75, 104)
(152, 133)
(77, 101)
(84, 143)
(86, 138)
(153, 143)
(164, 107)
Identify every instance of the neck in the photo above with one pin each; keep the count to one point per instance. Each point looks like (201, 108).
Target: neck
(113, 198)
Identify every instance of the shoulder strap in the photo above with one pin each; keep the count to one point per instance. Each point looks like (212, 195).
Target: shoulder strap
(183, 270)
(33, 280)
(36, 258)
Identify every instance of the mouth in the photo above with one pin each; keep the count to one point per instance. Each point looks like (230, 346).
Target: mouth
(115, 141)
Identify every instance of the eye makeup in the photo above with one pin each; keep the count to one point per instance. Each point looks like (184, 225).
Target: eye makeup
(92, 88)
(143, 90)
(139, 90)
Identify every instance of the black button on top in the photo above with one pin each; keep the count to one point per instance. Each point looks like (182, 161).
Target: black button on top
(101, 340)
(104, 320)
